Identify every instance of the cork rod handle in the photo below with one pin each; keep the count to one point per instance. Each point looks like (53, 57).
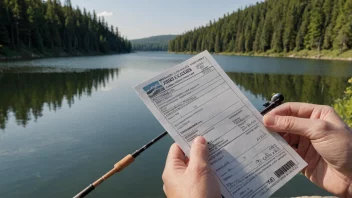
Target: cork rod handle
(119, 166)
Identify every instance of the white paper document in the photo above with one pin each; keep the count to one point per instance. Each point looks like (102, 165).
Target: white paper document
(197, 98)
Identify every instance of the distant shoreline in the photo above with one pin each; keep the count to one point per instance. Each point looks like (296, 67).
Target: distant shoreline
(304, 54)
(34, 56)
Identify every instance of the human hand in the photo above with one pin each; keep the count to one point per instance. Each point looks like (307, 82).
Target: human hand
(194, 178)
(321, 138)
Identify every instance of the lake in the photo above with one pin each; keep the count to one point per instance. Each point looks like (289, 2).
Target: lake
(64, 122)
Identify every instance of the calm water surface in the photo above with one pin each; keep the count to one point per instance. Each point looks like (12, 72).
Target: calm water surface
(64, 122)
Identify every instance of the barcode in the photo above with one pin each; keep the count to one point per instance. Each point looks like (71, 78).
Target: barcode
(281, 171)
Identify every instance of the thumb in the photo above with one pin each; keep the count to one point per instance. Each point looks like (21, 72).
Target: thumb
(199, 155)
(310, 128)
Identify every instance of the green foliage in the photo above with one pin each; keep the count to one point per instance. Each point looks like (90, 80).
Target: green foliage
(274, 26)
(314, 37)
(344, 106)
(343, 27)
(154, 43)
(47, 25)
(330, 14)
(4, 35)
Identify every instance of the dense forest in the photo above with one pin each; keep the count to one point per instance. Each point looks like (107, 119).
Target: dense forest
(154, 43)
(49, 27)
(275, 26)
(150, 47)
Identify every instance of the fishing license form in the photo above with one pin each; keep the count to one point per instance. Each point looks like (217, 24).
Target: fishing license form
(197, 98)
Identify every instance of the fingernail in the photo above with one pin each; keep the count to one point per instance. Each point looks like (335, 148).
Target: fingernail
(199, 140)
(269, 120)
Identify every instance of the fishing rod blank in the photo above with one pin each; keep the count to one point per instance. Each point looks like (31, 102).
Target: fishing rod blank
(276, 100)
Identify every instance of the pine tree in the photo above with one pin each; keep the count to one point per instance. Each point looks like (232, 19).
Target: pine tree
(53, 24)
(171, 46)
(240, 45)
(258, 34)
(37, 25)
(248, 43)
(177, 48)
(183, 44)
(211, 41)
(217, 43)
(277, 43)
(19, 11)
(204, 44)
(300, 39)
(4, 35)
(266, 34)
(199, 44)
(313, 39)
(290, 29)
(329, 18)
(344, 37)
(231, 47)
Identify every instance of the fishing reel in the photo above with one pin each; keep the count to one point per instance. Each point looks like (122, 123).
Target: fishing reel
(275, 101)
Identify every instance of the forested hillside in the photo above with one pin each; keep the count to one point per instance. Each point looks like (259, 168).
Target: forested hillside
(275, 26)
(48, 27)
(154, 43)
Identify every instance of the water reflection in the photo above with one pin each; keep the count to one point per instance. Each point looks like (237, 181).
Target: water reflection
(25, 93)
(296, 88)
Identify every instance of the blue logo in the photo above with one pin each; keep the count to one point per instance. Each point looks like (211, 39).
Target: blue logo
(153, 89)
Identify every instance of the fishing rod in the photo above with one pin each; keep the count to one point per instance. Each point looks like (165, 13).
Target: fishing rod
(276, 100)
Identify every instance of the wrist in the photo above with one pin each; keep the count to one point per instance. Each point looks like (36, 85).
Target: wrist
(349, 191)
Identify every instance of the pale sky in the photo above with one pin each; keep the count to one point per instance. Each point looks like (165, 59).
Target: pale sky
(143, 18)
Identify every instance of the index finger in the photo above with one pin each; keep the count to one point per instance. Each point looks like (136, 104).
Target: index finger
(305, 110)
(296, 109)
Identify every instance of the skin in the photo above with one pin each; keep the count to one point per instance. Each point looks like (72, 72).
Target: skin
(190, 178)
(315, 132)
